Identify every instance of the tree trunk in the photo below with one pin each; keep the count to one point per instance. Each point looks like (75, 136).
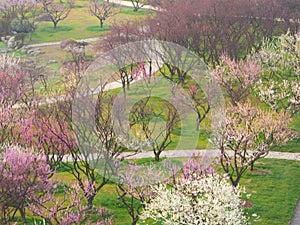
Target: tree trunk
(135, 220)
(54, 25)
(30, 36)
(156, 157)
(101, 24)
(23, 215)
(236, 181)
(198, 121)
(90, 203)
(251, 166)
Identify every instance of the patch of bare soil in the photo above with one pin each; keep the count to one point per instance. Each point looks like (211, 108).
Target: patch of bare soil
(246, 204)
(260, 171)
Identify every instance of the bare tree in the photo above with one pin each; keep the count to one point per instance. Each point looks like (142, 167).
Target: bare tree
(158, 136)
(97, 145)
(102, 10)
(137, 4)
(123, 32)
(56, 12)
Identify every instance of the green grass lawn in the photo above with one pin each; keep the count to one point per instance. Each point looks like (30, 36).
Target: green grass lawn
(80, 24)
(275, 188)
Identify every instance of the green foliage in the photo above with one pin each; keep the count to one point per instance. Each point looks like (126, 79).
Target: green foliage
(21, 26)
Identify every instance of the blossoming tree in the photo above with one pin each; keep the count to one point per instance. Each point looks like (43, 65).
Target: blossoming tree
(199, 196)
(23, 172)
(238, 78)
(280, 86)
(248, 134)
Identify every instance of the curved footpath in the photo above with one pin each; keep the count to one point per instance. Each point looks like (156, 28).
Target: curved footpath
(58, 42)
(296, 216)
(188, 153)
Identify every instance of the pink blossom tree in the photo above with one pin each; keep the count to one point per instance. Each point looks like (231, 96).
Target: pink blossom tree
(21, 122)
(238, 78)
(25, 183)
(52, 135)
(68, 209)
(23, 174)
(11, 92)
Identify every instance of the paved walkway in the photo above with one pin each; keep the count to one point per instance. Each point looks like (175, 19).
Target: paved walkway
(296, 216)
(189, 153)
(129, 4)
(58, 42)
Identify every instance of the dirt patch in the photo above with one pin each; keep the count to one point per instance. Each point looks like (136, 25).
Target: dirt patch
(262, 172)
(246, 204)
(248, 181)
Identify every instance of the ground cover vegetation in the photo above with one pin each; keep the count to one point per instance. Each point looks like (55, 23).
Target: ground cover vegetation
(59, 166)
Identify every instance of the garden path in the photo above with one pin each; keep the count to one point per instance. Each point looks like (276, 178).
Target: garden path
(296, 216)
(188, 153)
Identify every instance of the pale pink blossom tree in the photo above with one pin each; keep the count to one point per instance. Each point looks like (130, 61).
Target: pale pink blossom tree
(238, 78)
(101, 10)
(248, 135)
(135, 185)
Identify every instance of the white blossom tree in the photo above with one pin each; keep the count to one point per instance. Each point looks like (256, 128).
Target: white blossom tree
(199, 196)
(280, 84)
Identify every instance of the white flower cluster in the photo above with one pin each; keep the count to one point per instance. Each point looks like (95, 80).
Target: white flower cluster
(210, 200)
(280, 85)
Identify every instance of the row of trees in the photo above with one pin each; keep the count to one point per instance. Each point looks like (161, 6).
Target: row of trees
(211, 28)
